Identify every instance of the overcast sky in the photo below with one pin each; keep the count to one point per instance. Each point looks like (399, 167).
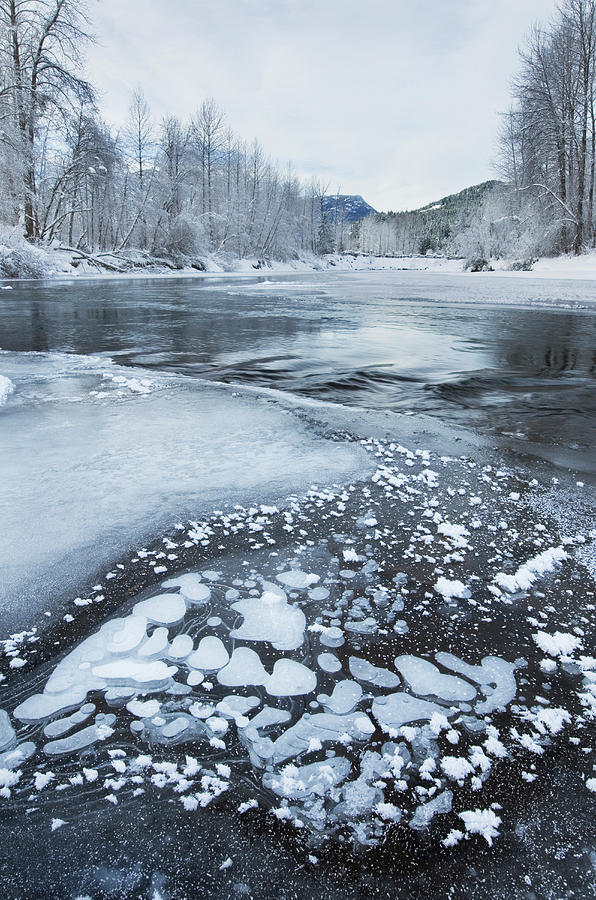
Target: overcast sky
(397, 100)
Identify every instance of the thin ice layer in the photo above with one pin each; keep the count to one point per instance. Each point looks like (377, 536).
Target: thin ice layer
(158, 458)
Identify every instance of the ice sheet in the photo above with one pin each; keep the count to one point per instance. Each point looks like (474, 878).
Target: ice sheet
(91, 467)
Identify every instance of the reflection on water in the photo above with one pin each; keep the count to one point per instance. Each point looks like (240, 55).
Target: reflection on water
(401, 341)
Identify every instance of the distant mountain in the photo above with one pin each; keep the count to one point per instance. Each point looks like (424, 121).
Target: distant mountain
(346, 208)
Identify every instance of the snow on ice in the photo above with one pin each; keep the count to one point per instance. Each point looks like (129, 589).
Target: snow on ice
(328, 668)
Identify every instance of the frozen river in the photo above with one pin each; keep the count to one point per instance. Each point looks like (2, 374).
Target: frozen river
(254, 595)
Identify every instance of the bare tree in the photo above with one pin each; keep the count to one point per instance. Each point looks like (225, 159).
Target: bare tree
(139, 132)
(40, 60)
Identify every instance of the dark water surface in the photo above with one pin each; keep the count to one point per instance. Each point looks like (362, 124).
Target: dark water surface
(516, 357)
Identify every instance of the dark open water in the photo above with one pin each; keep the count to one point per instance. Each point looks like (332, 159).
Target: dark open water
(515, 357)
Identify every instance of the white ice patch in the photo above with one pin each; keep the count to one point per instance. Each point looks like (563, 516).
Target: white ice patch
(180, 647)
(425, 813)
(298, 580)
(210, 655)
(127, 638)
(160, 458)
(329, 662)
(155, 645)
(290, 679)
(101, 730)
(345, 697)
(43, 706)
(136, 674)
(495, 675)
(424, 678)
(7, 732)
(191, 587)
(165, 609)
(365, 671)
(143, 709)
(395, 710)
(6, 388)
(270, 618)
(244, 668)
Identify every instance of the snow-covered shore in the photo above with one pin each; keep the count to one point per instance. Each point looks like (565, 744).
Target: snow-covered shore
(28, 262)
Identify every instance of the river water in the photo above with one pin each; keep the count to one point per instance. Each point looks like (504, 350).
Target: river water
(507, 356)
(400, 543)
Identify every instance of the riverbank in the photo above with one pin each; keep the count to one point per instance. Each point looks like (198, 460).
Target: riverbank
(25, 261)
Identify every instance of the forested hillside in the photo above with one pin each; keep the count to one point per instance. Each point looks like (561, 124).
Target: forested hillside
(441, 227)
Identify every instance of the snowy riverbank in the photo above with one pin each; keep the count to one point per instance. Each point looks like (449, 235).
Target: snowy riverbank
(24, 261)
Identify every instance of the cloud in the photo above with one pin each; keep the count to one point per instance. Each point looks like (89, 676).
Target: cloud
(393, 99)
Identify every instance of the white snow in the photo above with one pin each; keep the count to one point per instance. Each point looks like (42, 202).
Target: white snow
(525, 576)
(481, 821)
(301, 782)
(457, 534)
(557, 644)
(450, 589)
(456, 767)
